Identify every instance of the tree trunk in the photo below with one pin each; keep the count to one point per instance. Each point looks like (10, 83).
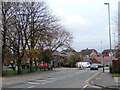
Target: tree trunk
(19, 71)
(4, 42)
(3, 56)
(31, 66)
(35, 65)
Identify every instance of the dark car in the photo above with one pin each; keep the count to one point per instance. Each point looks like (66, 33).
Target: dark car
(94, 67)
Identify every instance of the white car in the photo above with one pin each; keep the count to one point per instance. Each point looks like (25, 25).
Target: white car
(83, 64)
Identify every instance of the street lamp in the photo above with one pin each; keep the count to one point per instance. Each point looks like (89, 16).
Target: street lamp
(114, 40)
(109, 35)
(102, 58)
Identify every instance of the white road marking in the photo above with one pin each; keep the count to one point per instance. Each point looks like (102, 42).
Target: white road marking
(32, 83)
(51, 78)
(43, 83)
(48, 81)
(87, 81)
(58, 79)
(31, 86)
(85, 86)
(40, 80)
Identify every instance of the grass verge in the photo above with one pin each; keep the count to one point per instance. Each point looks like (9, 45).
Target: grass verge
(116, 75)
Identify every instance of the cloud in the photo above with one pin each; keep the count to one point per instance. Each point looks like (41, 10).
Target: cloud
(76, 23)
(86, 19)
(77, 19)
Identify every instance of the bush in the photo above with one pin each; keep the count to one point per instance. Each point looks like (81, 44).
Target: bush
(117, 70)
(68, 65)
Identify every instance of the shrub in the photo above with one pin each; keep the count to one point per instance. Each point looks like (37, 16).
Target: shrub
(117, 70)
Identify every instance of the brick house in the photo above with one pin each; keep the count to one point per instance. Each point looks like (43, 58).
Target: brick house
(89, 53)
(106, 52)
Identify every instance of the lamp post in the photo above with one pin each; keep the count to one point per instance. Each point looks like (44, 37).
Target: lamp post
(109, 36)
(102, 58)
(114, 39)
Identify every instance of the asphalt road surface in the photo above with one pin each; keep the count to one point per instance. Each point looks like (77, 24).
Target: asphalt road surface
(62, 78)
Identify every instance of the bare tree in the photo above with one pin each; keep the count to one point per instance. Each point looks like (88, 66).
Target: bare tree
(59, 38)
(38, 17)
(7, 14)
(28, 26)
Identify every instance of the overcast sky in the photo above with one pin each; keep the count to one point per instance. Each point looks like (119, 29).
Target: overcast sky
(87, 20)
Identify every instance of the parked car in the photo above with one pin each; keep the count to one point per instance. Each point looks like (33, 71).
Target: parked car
(100, 66)
(45, 66)
(94, 67)
(83, 64)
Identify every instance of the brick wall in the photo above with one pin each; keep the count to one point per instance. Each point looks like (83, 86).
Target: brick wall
(116, 65)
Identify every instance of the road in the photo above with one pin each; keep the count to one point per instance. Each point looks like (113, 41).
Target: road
(62, 78)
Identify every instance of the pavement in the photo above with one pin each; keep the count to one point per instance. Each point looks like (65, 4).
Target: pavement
(106, 81)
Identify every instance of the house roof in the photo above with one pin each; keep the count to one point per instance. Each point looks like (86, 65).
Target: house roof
(108, 50)
(68, 50)
(87, 51)
(79, 53)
